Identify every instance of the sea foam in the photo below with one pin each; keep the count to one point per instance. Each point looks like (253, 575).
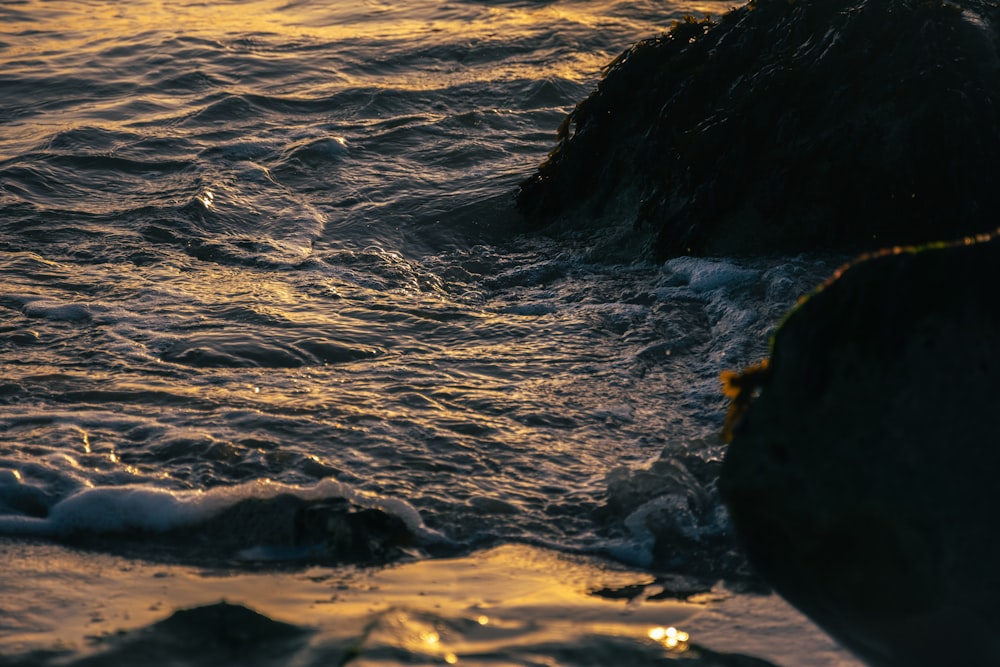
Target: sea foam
(146, 509)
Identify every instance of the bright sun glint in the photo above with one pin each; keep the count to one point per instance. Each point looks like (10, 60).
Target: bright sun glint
(671, 637)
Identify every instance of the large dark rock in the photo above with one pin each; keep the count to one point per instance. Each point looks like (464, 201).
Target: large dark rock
(862, 474)
(789, 125)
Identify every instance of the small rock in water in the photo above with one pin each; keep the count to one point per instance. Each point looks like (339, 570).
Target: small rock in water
(210, 635)
(285, 527)
(331, 530)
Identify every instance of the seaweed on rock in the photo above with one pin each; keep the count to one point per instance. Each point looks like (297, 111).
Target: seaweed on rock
(789, 125)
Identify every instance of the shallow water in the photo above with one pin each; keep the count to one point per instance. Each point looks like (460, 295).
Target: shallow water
(502, 606)
(250, 250)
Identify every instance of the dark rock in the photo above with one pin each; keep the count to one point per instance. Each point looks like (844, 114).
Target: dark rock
(862, 477)
(789, 125)
(285, 528)
(673, 506)
(216, 634)
(225, 624)
(333, 530)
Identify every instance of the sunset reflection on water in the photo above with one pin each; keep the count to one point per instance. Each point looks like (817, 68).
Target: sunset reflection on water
(39, 28)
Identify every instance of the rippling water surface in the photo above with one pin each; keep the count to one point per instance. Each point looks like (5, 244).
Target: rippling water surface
(257, 248)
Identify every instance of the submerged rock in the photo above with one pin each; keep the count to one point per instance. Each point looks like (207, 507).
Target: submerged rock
(215, 634)
(789, 125)
(675, 522)
(281, 528)
(287, 527)
(862, 478)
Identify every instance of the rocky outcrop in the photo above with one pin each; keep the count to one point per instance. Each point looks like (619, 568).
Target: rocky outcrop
(789, 125)
(861, 476)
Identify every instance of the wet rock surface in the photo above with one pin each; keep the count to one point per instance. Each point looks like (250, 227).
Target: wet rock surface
(861, 479)
(786, 126)
(272, 530)
(214, 634)
(673, 507)
(331, 530)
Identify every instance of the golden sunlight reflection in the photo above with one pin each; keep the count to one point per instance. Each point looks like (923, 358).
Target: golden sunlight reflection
(207, 199)
(86, 440)
(433, 612)
(671, 638)
(350, 22)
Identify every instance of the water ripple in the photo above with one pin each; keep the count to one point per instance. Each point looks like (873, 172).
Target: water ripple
(276, 243)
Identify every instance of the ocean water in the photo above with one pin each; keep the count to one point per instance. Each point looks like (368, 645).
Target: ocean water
(265, 255)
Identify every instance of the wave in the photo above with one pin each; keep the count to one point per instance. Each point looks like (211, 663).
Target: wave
(329, 521)
(232, 350)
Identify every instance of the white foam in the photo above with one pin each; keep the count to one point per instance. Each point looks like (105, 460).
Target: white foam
(621, 412)
(706, 275)
(120, 509)
(124, 508)
(63, 311)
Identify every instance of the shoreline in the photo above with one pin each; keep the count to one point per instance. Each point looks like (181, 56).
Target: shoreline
(489, 607)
